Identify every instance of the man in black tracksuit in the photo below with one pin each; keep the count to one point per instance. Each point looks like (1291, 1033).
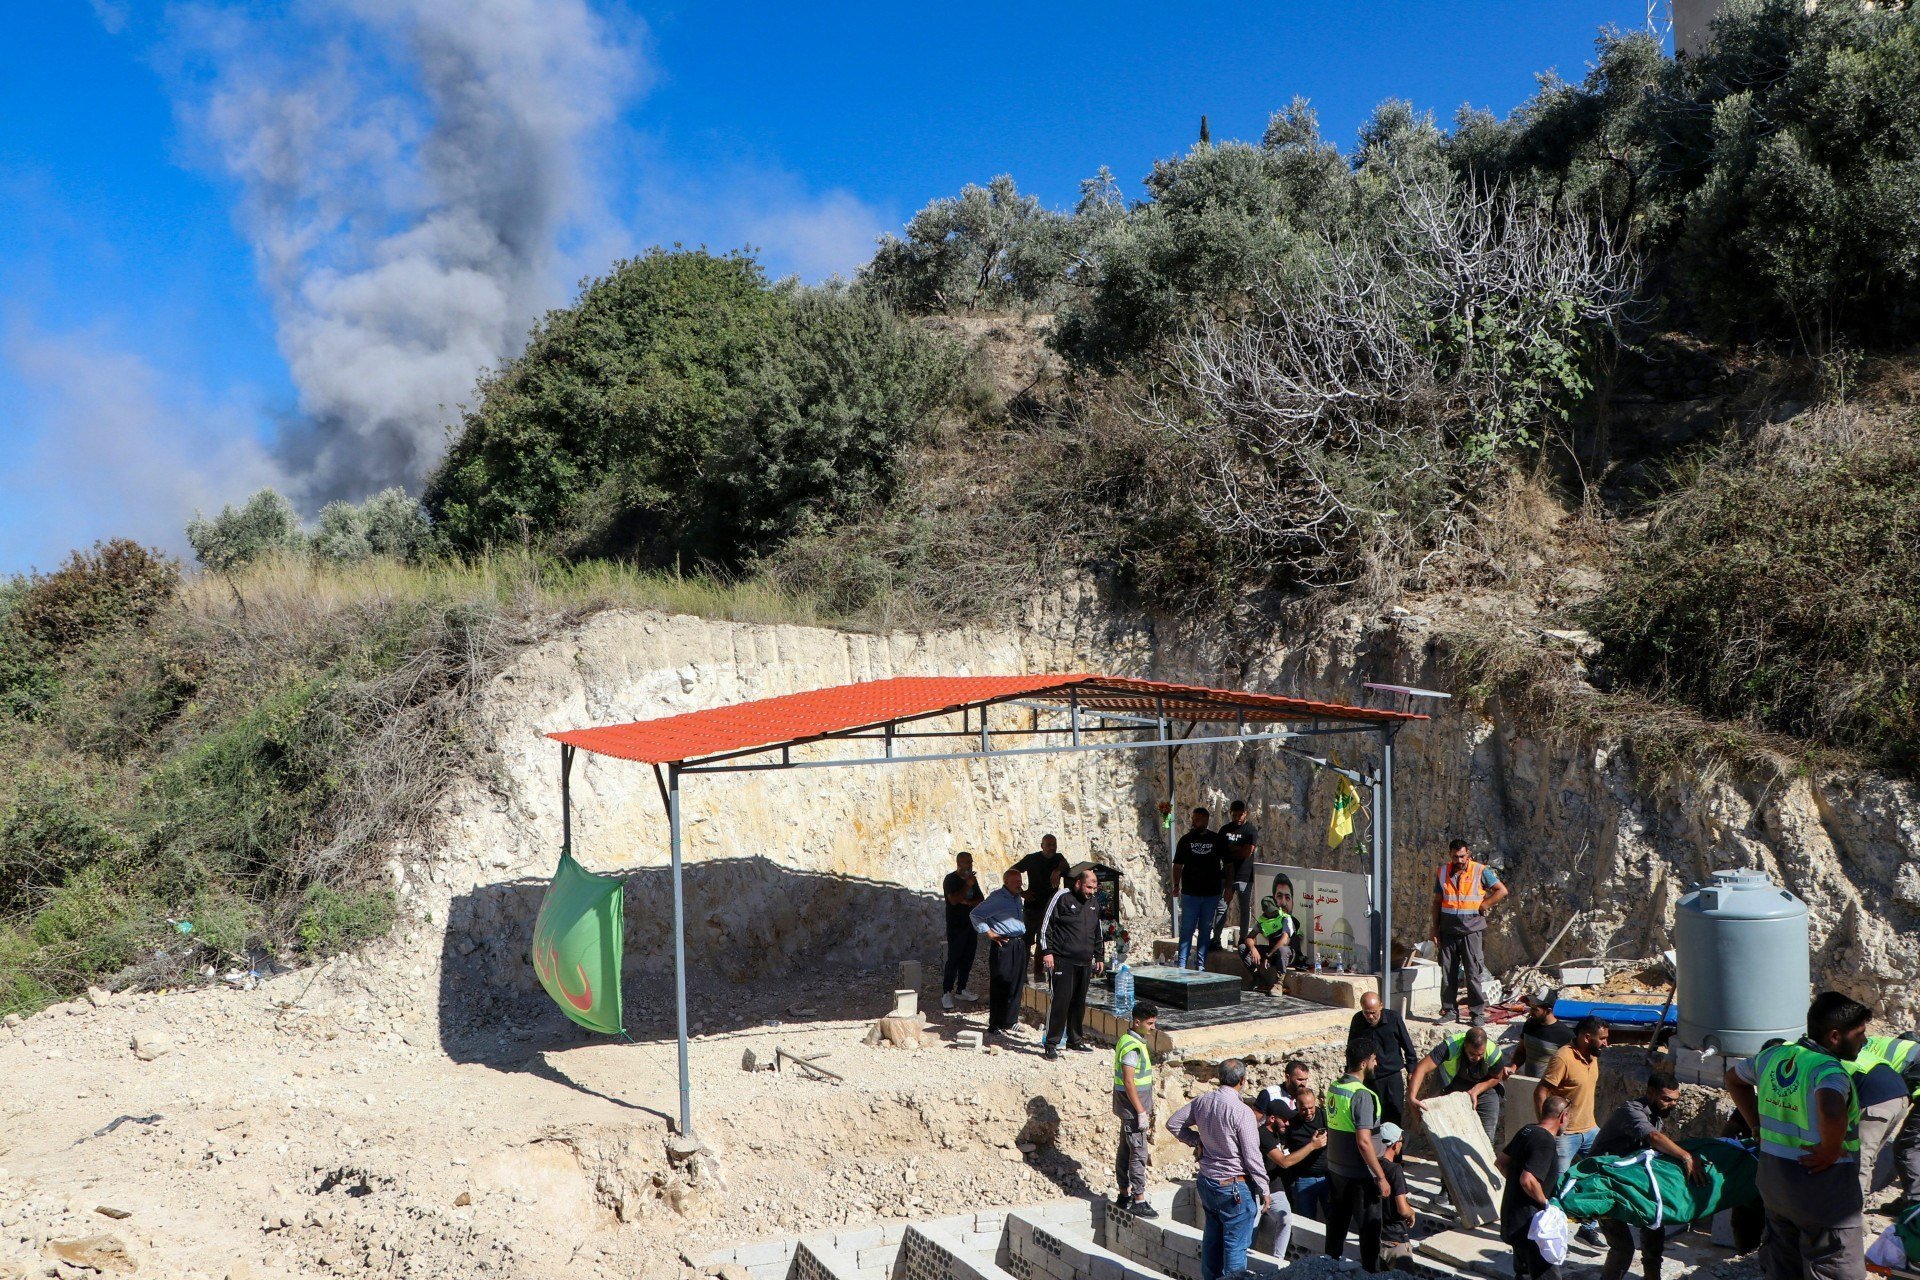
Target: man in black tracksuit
(1070, 954)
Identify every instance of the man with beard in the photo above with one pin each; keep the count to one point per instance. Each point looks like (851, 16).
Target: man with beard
(1466, 1063)
(1799, 1099)
(1632, 1128)
(1358, 1187)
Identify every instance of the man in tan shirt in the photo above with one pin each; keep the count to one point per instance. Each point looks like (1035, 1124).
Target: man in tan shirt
(1573, 1074)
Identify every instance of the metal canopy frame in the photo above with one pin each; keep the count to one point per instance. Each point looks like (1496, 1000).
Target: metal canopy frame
(1085, 729)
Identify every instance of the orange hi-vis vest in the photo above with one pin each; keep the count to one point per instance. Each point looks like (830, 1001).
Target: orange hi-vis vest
(1463, 895)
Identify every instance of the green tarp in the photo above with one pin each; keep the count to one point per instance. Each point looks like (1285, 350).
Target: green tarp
(1650, 1189)
(577, 944)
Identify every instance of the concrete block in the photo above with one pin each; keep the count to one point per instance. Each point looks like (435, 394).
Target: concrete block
(906, 1002)
(1340, 990)
(1581, 975)
(910, 974)
(878, 1255)
(968, 1040)
(753, 1255)
(771, 1270)
(1465, 1157)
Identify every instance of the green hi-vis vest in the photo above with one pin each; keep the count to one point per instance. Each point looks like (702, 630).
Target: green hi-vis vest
(1340, 1105)
(1142, 1075)
(1271, 925)
(1897, 1054)
(1456, 1054)
(1784, 1080)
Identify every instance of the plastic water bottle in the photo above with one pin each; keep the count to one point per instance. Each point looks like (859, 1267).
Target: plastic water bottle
(1123, 991)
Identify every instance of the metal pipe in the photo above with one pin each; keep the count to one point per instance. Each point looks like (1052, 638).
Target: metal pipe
(566, 799)
(1380, 956)
(993, 754)
(1173, 903)
(679, 947)
(1386, 840)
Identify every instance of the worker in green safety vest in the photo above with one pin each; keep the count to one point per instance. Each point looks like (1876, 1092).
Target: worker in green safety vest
(1466, 1062)
(1885, 1077)
(1267, 948)
(1799, 1099)
(1133, 1103)
(1357, 1187)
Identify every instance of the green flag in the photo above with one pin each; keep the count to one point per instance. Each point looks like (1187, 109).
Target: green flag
(577, 944)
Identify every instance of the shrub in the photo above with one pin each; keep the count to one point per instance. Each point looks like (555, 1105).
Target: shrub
(1776, 175)
(1217, 220)
(264, 524)
(387, 524)
(1784, 591)
(685, 407)
(989, 247)
(591, 436)
(116, 587)
(848, 387)
(333, 920)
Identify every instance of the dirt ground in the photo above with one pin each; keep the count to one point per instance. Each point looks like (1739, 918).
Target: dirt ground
(325, 1125)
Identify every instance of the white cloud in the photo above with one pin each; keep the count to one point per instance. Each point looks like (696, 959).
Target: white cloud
(114, 449)
(800, 232)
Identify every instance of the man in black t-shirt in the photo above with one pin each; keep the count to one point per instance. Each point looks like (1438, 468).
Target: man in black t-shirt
(1239, 845)
(1396, 1220)
(1542, 1035)
(962, 893)
(1528, 1164)
(1045, 871)
(1197, 876)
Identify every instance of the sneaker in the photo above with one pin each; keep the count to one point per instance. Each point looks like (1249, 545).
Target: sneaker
(946, 1001)
(1590, 1234)
(968, 996)
(1479, 1019)
(1051, 1054)
(1079, 1046)
(1141, 1209)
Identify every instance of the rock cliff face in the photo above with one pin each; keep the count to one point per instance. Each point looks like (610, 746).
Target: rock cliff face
(812, 866)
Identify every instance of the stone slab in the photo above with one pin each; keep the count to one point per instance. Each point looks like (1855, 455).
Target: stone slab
(1481, 1254)
(1339, 990)
(1185, 988)
(1465, 1158)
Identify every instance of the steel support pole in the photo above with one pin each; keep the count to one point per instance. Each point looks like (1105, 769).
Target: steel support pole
(1379, 939)
(1172, 823)
(679, 947)
(1386, 844)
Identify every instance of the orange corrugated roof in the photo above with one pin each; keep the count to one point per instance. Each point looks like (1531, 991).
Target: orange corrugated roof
(769, 723)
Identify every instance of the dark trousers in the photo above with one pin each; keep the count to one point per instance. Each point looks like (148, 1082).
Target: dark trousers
(1240, 908)
(1006, 975)
(962, 943)
(1356, 1202)
(1068, 1013)
(1392, 1088)
(1460, 951)
(1621, 1240)
(1033, 915)
(1528, 1264)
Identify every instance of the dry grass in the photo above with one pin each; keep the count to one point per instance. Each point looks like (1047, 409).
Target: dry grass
(297, 592)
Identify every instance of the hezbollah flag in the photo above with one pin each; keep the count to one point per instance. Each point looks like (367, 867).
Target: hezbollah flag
(1346, 803)
(577, 942)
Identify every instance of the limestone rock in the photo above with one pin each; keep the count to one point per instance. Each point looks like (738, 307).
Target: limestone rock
(103, 1253)
(148, 1045)
(99, 997)
(901, 1033)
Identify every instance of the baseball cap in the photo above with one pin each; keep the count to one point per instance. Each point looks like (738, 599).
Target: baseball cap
(1541, 997)
(1274, 1102)
(1389, 1133)
(1268, 906)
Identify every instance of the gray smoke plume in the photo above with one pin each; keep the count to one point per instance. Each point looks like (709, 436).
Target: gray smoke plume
(407, 169)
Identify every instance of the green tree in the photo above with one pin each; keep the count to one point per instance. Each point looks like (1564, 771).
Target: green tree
(988, 248)
(596, 437)
(263, 524)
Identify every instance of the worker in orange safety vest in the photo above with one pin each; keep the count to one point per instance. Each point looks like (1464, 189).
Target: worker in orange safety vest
(1463, 892)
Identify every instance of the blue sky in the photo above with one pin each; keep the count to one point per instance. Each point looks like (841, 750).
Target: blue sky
(224, 223)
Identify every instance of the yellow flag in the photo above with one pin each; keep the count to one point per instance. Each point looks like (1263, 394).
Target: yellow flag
(1346, 803)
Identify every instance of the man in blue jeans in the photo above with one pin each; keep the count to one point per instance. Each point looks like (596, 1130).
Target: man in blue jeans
(1231, 1176)
(1199, 870)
